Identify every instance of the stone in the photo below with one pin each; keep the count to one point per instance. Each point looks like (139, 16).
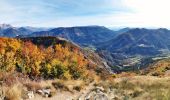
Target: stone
(44, 92)
(30, 94)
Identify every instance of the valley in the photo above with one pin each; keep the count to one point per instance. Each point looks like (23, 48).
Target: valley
(124, 48)
(84, 50)
(87, 62)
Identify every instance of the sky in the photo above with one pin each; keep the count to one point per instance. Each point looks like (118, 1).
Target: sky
(66, 13)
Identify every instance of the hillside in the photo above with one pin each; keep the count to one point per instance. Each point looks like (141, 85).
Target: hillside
(158, 68)
(50, 68)
(46, 64)
(37, 49)
(139, 42)
(134, 47)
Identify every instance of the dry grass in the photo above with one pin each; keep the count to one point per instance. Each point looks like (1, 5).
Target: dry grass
(138, 87)
(14, 92)
(142, 87)
(127, 87)
(159, 68)
(33, 86)
(69, 85)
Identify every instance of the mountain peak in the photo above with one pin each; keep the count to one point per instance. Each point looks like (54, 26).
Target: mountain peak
(5, 26)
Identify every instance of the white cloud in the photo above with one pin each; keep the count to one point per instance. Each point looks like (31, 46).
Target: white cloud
(130, 13)
(153, 13)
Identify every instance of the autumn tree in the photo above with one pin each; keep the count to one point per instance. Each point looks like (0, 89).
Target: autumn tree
(55, 61)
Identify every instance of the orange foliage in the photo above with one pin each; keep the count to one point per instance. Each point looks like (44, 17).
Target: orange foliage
(56, 61)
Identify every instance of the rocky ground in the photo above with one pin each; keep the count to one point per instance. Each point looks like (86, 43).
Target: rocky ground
(124, 88)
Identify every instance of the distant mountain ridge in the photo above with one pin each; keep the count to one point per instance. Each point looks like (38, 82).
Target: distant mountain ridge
(139, 41)
(7, 30)
(129, 41)
(81, 35)
(5, 26)
(84, 35)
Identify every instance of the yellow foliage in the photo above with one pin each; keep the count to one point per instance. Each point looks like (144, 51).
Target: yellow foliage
(58, 61)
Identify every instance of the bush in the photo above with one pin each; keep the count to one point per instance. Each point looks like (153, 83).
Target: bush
(13, 93)
(60, 85)
(77, 88)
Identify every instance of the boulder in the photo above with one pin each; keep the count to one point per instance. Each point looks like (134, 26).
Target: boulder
(44, 92)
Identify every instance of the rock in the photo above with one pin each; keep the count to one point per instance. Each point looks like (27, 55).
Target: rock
(47, 91)
(96, 94)
(89, 95)
(99, 89)
(40, 92)
(44, 92)
(30, 94)
(101, 96)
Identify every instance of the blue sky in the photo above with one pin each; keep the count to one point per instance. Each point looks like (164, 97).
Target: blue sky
(111, 13)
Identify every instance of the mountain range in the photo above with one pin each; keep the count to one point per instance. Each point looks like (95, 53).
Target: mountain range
(139, 42)
(7, 30)
(118, 48)
(84, 36)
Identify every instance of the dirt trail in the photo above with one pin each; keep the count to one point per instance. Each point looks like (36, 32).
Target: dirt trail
(68, 95)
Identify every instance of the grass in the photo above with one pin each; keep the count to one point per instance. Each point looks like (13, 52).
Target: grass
(14, 92)
(69, 85)
(140, 87)
(125, 87)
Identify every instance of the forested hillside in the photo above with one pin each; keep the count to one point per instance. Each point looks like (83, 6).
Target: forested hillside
(62, 61)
